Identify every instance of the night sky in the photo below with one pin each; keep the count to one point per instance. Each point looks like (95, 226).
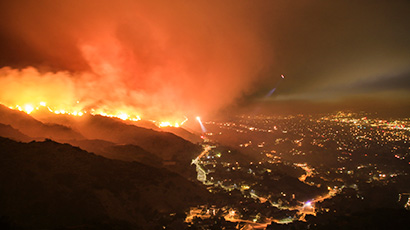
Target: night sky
(193, 58)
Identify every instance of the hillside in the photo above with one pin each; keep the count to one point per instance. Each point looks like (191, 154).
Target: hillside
(97, 133)
(189, 136)
(167, 146)
(118, 152)
(12, 133)
(34, 128)
(47, 185)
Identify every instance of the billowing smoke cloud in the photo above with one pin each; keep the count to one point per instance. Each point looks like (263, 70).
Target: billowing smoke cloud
(157, 60)
(19, 87)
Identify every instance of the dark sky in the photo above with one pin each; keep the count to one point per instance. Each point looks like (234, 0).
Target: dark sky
(196, 57)
(332, 49)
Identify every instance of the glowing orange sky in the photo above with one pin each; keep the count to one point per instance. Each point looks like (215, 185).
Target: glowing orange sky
(193, 58)
(142, 57)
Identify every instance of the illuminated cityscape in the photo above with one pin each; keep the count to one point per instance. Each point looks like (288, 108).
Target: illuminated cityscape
(305, 166)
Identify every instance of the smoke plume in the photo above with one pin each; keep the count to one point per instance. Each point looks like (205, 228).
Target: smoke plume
(159, 61)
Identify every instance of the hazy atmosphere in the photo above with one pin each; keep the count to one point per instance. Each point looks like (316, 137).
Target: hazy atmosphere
(196, 57)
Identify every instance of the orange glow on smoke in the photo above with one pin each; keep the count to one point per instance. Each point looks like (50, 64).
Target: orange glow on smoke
(134, 61)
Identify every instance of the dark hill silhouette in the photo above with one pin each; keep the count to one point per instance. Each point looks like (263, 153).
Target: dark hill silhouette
(179, 131)
(46, 116)
(175, 151)
(12, 133)
(34, 128)
(47, 185)
(167, 146)
(119, 152)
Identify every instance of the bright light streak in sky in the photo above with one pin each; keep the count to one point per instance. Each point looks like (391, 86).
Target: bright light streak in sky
(275, 87)
(200, 123)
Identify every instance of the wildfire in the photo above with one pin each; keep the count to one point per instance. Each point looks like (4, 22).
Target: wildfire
(165, 124)
(162, 124)
(31, 107)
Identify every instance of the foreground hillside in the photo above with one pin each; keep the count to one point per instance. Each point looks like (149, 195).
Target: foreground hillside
(47, 185)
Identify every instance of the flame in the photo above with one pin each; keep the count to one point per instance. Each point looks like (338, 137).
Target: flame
(165, 124)
(82, 93)
(31, 107)
(28, 108)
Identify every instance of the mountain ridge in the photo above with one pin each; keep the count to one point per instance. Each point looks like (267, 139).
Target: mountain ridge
(52, 185)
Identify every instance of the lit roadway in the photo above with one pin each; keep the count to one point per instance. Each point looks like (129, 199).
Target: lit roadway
(204, 152)
(305, 209)
(229, 217)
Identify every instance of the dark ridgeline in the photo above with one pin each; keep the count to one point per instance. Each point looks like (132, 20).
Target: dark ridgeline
(107, 137)
(48, 185)
(136, 180)
(12, 133)
(34, 128)
(111, 150)
(167, 146)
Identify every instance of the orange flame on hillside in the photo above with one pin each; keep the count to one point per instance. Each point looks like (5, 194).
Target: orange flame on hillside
(29, 90)
(33, 107)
